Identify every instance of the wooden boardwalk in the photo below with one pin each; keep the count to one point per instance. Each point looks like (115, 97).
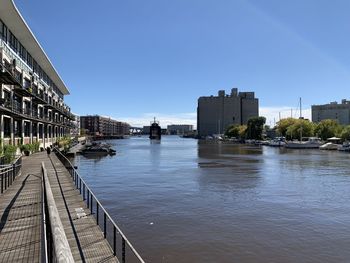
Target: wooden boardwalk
(20, 211)
(21, 242)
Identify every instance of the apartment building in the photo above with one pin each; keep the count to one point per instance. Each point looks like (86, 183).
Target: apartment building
(216, 113)
(32, 107)
(103, 126)
(339, 112)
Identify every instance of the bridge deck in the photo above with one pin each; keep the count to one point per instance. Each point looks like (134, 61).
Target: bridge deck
(20, 211)
(20, 236)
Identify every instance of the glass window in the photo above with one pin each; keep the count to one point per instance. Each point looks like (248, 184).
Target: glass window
(7, 127)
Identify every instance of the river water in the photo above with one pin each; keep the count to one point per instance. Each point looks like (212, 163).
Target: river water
(183, 200)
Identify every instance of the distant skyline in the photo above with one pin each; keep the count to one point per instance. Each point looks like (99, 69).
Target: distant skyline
(133, 60)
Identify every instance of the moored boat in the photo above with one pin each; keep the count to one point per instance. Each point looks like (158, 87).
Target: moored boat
(311, 143)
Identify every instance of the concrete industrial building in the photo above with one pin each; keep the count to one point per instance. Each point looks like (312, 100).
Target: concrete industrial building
(216, 113)
(103, 126)
(32, 107)
(334, 111)
(179, 129)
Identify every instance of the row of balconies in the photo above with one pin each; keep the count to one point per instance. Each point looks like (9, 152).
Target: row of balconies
(17, 108)
(25, 87)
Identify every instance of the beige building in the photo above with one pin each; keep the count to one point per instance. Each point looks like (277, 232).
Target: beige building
(334, 111)
(103, 126)
(216, 113)
(32, 107)
(179, 129)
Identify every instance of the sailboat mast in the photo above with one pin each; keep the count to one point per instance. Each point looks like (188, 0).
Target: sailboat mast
(301, 124)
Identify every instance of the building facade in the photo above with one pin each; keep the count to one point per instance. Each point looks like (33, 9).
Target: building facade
(216, 113)
(334, 111)
(32, 107)
(103, 126)
(179, 129)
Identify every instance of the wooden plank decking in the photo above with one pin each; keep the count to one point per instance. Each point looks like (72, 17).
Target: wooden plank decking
(20, 211)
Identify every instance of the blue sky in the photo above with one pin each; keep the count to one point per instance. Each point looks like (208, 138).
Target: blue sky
(135, 59)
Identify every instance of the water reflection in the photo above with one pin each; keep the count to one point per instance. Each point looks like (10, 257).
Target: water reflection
(214, 202)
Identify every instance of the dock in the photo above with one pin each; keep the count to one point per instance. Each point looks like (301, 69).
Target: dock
(25, 207)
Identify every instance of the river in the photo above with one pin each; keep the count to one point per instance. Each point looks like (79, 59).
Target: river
(183, 200)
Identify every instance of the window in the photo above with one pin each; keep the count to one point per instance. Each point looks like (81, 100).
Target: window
(7, 127)
(35, 129)
(40, 131)
(17, 128)
(26, 129)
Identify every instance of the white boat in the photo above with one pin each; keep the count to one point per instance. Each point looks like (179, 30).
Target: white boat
(311, 143)
(278, 142)
(329, 146)
(345, 147)
(332, 144)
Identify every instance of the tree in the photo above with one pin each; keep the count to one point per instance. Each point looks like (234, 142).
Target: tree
(232, 131)
(327, 129)
(242, 131)
(300, 127)
(235, 130)
(284, 124)
(255, 127)
(345, 133)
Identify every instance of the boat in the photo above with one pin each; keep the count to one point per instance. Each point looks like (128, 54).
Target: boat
(310, 143)
(332, 144)
(155, 132)
(345, 147)
(305, 142)
(278, 142)
(98, 149)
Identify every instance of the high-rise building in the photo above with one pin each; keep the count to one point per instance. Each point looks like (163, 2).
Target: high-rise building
(216, 113)
(179, 129)
(32, 107)
(103, 126)
(334, 111)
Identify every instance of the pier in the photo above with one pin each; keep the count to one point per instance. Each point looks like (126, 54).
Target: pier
(48, 213)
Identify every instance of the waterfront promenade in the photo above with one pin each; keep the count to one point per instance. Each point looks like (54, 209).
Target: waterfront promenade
(21, 235)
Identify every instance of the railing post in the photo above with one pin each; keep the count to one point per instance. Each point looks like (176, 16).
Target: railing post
(83, 192)
(97, 206)
(14, 172)
(91, 207)
(2, 183)
(104, 225)
(114, 241)
(123, 250)
(6, 175)
(80, 185)
(88, 199)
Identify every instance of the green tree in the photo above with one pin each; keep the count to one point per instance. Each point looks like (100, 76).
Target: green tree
(327, 129)
(255, 127)
(232, 131)
(237, 131)
(284, 124)
(345, 133)
(300, 127)
(242, 131)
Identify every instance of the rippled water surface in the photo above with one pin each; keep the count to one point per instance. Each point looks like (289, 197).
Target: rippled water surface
(182, 200)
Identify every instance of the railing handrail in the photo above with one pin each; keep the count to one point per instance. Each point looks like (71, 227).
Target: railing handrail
(104, 210)
(61, 246)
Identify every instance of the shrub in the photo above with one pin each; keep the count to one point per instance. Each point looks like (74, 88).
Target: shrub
(9, 153)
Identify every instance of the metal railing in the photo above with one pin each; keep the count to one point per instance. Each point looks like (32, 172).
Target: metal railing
(100, 212)
(8, 173)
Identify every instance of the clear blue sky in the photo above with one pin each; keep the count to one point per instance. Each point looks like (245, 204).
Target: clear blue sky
(134, 59)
